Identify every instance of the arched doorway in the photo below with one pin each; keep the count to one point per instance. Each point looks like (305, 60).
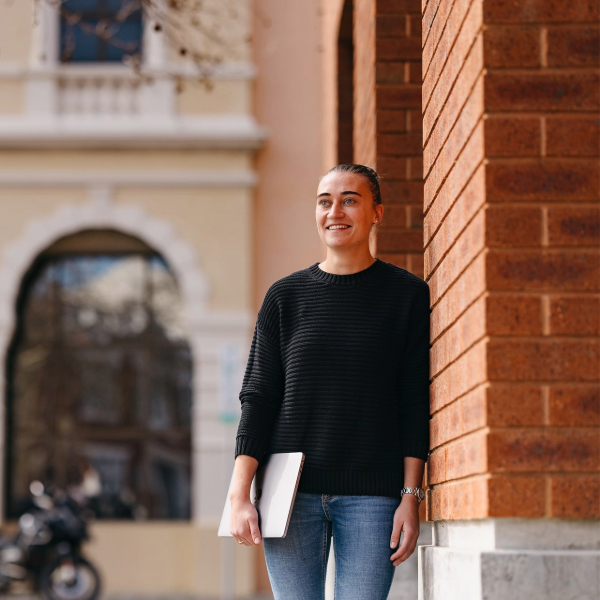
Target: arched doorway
(99, 379)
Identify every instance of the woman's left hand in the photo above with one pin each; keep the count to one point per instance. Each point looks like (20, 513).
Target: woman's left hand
(406, 519)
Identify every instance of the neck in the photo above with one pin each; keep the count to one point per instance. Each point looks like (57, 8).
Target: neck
(346, 263)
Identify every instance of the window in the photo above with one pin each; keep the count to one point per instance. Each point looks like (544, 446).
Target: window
(100, 30)
(99, 374)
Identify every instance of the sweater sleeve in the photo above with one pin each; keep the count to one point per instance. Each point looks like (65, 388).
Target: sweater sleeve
(414, 379)
(262, 388)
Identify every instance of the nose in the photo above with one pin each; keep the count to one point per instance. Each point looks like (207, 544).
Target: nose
(335, 212)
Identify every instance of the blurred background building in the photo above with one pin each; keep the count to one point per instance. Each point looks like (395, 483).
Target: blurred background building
(144, 216)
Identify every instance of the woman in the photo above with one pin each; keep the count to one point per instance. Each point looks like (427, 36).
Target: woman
(339, 369)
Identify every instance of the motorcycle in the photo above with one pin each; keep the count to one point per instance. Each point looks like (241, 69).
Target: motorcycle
(47, 549)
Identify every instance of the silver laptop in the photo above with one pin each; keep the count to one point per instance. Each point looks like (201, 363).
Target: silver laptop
(272, 492)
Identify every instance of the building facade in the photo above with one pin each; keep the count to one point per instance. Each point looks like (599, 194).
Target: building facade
(483, 118)
(149, 216)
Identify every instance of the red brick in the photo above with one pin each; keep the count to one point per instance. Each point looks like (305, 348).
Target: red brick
(391, 167)
(575, 405)
(543, 450)
(450, 222)
(416, 264)
(572, 135)
(395, 239)
(514, 405)
(513, 315)
(394, 215)
(402, 192)
(466, 172)
(416, 72)
(467, 289)
(396, 96)
(391, 26)
(444, 155)
(573, 226)
(463, 500)
(573, 46)
(529, 270)
(464, 374)
(575, 497)
(416, 168)
(540, 180)
(543, 360)
(516, 497)
(513, 226)
(399, 144)
(511, 46)
(539, 11)
(463, 416)
(392, 73)
(518, 136)
(574, 315)
(398, 6)
(467, 330)
(416, 217)
(396, 259)
(441, 109)
(462, 251)
(540, 91)
(443, 32)
(391, 121)
(395, 49)
(416, 27)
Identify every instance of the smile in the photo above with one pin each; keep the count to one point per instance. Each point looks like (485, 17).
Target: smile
(339, 227)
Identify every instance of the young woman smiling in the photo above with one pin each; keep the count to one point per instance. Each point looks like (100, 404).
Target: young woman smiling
(339, 369)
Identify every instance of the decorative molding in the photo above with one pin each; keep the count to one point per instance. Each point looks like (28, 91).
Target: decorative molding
(206, 329)
(100, 179)
(228, 71)
(235, 132)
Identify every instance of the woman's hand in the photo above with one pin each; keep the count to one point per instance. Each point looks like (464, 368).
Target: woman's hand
(406, 519)
(244, 522)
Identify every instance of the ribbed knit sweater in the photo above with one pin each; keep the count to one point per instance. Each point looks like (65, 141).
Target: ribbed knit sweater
(339, 370)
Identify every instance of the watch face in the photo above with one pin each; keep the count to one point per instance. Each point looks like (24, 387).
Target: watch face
(421, 494)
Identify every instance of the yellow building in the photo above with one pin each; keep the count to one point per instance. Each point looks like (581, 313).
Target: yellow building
(126, 287)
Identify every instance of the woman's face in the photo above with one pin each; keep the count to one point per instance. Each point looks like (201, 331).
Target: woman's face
(345, 210)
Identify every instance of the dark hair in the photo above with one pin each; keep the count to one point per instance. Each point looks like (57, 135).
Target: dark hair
(365, 171)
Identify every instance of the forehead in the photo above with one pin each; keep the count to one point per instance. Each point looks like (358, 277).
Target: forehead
(343, 181)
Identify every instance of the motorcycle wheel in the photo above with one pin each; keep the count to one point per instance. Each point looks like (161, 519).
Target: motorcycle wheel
(86, 585)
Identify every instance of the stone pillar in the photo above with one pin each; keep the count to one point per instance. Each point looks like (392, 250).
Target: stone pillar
(387, 120)
(511, 230)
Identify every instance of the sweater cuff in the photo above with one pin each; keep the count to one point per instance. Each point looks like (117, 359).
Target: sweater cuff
(250, 446)
(415, 448)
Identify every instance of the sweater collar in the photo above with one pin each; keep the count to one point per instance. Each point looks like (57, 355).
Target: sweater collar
(350, 279)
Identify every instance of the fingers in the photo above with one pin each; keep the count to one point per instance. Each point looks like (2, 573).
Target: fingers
(396, 533)
(254, 530)
(250, 535)
(407, 547)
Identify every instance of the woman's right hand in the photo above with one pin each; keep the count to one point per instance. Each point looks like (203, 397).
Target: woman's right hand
(243, 524)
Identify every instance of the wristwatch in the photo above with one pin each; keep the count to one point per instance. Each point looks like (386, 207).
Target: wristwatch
(419, 492)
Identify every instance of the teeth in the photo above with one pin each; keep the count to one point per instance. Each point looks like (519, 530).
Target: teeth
(338, 227)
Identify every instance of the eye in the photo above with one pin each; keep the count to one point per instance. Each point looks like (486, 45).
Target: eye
(323, 202)
(349, 200)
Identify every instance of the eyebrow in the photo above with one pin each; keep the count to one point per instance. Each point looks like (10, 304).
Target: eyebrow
(343, 193)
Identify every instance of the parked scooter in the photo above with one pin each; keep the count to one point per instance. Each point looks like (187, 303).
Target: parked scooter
(47, 549)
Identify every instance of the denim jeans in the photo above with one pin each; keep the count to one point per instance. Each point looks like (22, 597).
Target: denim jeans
(361, 527)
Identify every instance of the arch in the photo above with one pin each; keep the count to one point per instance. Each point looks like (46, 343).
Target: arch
(69, 219)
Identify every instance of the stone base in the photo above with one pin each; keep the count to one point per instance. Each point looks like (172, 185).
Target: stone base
(511, 559)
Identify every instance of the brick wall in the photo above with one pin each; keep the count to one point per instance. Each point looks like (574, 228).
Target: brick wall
(511, 231)
(387, 120)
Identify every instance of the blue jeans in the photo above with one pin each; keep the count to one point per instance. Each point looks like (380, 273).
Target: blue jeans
(361, 528)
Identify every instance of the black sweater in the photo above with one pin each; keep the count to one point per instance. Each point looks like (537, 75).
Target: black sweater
(339, 369)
